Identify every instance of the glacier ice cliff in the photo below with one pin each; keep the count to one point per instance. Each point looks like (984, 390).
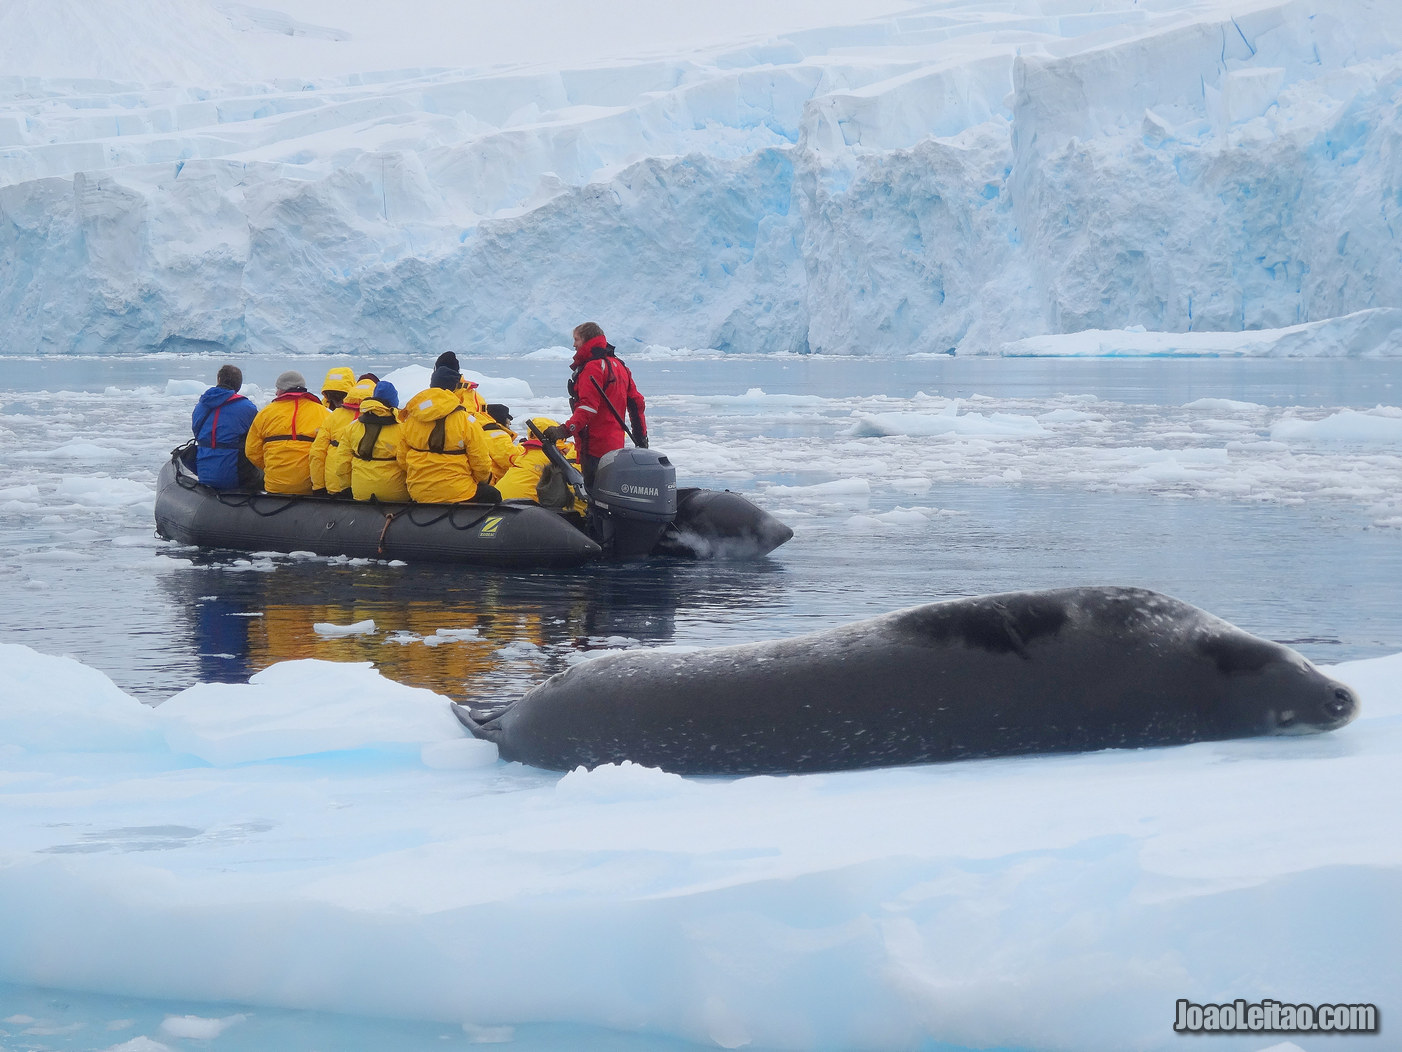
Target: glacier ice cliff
(951, 179)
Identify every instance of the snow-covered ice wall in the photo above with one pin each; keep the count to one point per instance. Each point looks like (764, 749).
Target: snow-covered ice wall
(957, 176)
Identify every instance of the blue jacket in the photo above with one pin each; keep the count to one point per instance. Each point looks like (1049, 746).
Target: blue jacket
(220, 422)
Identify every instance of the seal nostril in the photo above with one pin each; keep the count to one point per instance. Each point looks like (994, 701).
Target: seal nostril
(1342, 702)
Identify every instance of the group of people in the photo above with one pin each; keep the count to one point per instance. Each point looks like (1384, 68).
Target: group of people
(446, 445)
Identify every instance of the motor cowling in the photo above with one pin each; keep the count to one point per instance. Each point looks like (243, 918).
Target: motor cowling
(633, 498)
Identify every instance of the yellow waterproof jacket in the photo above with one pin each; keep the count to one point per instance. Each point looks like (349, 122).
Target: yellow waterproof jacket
(446, 472)
(338, 378)
(521, 479)
(501, 446)
(335, 418)
(330, 466)
(472, 398)
(375, 470)
(280, 441)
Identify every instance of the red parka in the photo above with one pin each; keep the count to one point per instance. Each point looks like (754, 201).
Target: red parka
(598, 380)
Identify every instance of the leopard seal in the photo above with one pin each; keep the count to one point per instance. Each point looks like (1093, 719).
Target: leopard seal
(1064, 670)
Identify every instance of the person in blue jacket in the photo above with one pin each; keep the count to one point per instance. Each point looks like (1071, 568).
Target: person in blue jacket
(220, 422)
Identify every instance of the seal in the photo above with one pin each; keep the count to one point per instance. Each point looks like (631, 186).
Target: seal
(1066, 670)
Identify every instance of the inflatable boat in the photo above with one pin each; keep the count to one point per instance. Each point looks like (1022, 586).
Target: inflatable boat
(635, 511)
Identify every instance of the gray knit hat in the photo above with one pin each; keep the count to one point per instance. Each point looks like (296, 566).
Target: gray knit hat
(289, 381)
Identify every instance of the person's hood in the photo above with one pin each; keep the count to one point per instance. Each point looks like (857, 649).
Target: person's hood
(374, 407)
(359, 393)
(432, 404)
(295, 396)
(216, 396)
(541, 423)
(338, 378)
(592, 347)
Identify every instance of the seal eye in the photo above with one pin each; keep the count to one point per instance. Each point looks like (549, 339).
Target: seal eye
(1341, 702)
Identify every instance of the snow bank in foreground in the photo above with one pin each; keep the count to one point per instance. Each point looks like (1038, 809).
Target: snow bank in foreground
(1052, 903)
(945, 179)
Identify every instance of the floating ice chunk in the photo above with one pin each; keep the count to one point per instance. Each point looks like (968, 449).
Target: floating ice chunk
(897, 517)
(756, 396)
(1376, 332)
(500, 388)
(197, 1027)
(411, 379)
(73, 449)
(186, 388)
(837, 488)
(360, 628)
(460, 755)
(1066, 416)
(1170, 467)
(883, 425)
(56, 704)
(657, 352)
(911, 485)
(99, 491)
(451, 635)
(1228, 404)
(139, 1044)
(298, 708)
(1379, 427)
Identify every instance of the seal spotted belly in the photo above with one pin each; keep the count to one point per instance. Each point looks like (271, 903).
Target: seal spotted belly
(1024, 672)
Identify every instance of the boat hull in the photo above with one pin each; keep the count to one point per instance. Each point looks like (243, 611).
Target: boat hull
(707, 524)
(503, 535)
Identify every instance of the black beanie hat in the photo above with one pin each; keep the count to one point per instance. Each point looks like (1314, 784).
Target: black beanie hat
(447, 358)
(445, 376)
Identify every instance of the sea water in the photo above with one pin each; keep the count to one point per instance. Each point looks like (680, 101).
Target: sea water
(1283, 548)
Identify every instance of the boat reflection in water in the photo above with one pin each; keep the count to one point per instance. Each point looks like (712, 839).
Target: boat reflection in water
(469, 633)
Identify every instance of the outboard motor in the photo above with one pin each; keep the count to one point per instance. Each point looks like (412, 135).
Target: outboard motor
(633, 498)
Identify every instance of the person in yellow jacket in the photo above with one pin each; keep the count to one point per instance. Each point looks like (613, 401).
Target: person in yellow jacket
(530, 462)
(441, 447)
(339, 380)
(467, 391)
(342, 413)
(501, 440)
(280, 438)
(336, 466)
(373, 441)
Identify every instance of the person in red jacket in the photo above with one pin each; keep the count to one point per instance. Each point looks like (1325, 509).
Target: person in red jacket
(601, 392)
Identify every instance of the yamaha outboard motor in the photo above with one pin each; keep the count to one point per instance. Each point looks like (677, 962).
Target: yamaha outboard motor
(633, 498)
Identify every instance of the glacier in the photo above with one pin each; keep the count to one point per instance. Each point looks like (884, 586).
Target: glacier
(942, 178)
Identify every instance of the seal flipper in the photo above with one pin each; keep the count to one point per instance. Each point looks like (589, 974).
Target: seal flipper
(490, 733)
